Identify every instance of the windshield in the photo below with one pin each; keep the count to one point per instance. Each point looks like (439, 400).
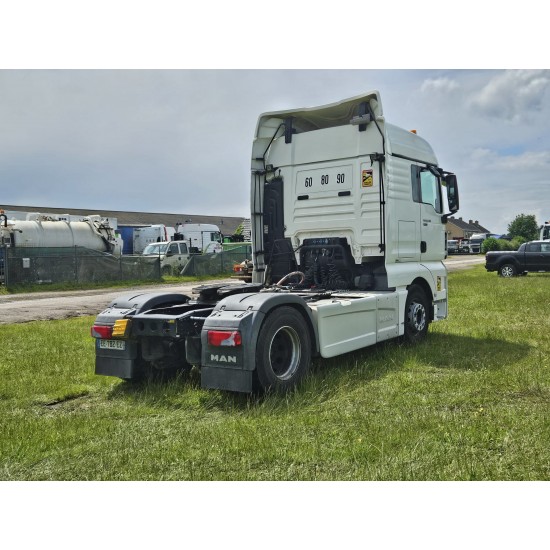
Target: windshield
(155, 248)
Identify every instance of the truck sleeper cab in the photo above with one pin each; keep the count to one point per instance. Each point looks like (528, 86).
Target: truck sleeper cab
(348, 238)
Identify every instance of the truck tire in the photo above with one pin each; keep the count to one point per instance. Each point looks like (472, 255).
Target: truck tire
(417, 315)
(507, 270)
(283, 352)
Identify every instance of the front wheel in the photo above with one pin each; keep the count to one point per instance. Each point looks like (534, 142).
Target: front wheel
(417, 315)
(283, 351)
(507, 270)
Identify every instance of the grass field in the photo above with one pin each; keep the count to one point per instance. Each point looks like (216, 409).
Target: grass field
(470, 403)
(166, 279)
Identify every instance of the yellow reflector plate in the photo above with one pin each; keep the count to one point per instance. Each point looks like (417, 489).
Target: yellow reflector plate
(120, 328)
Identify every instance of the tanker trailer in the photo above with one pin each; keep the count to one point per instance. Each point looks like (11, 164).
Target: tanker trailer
(42, 231)
(45, 232)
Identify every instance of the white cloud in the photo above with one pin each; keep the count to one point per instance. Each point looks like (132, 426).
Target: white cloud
(513, 95)
(180, 141)
(496, 187)
(443, 84)
(491, 160)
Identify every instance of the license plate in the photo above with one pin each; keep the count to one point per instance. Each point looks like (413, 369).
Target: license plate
(112, 344)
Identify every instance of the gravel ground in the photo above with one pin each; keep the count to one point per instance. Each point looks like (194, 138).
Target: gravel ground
(39, 306)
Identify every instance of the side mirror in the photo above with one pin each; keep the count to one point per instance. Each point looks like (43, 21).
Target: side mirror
(169, 253)
(452, 192)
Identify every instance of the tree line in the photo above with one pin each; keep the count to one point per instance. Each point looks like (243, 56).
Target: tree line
(522, 229)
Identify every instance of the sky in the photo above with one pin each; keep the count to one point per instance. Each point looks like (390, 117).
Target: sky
(179, 141)
(152, 106)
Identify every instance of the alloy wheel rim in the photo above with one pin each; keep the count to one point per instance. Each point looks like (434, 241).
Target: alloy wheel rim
(284, 353)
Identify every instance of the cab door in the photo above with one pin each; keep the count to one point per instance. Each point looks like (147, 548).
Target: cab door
(173, 257)
(183, 256)
(427, 193)
(537, 257)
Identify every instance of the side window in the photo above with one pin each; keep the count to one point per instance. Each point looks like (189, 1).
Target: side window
(429, 189)
(183, 248)
(173, 248)
(533, 247)
(426, 188)
(545, 247)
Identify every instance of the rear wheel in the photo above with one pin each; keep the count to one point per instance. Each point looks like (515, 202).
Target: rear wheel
(283, 351)
(507, 270)
(417, 315)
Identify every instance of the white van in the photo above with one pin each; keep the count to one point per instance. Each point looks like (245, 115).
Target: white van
(201, 237)
(147, 235)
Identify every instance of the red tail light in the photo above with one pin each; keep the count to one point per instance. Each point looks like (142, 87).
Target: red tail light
(102, 331)
(224, 338)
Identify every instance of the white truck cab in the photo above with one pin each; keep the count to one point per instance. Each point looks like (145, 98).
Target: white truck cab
(348, 218)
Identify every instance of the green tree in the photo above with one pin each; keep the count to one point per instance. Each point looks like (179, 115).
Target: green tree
(524, 225)
(490, 244)
(516, 242)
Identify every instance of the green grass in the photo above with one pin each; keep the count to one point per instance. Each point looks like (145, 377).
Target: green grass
(470, 403)
(56, 287)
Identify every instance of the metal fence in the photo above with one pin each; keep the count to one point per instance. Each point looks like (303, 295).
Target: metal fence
(31, 265)
(216, 264)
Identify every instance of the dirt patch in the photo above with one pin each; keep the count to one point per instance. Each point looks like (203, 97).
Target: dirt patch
(45, 306)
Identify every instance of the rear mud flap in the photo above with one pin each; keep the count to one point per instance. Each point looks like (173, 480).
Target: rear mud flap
(119, 363)
(237, 380)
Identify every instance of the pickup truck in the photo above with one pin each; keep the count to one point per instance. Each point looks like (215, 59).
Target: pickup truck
(533, 256)
(173, 255)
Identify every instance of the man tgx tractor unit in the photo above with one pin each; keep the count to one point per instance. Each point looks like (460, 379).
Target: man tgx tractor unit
(348, 235)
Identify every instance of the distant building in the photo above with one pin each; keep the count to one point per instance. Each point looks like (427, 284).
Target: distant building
(227, 224)
(457, 228)
(247, 229)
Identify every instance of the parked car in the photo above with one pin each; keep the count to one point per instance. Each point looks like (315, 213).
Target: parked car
(452, 247)
(533, 256)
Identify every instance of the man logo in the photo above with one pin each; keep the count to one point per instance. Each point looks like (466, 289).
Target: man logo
(223, 358)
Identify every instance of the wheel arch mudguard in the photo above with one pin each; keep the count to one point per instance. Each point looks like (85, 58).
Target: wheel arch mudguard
(425, 286)
(509, 260)
(124, 364)
(130, 304)
(142, 301)
(231, 368)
